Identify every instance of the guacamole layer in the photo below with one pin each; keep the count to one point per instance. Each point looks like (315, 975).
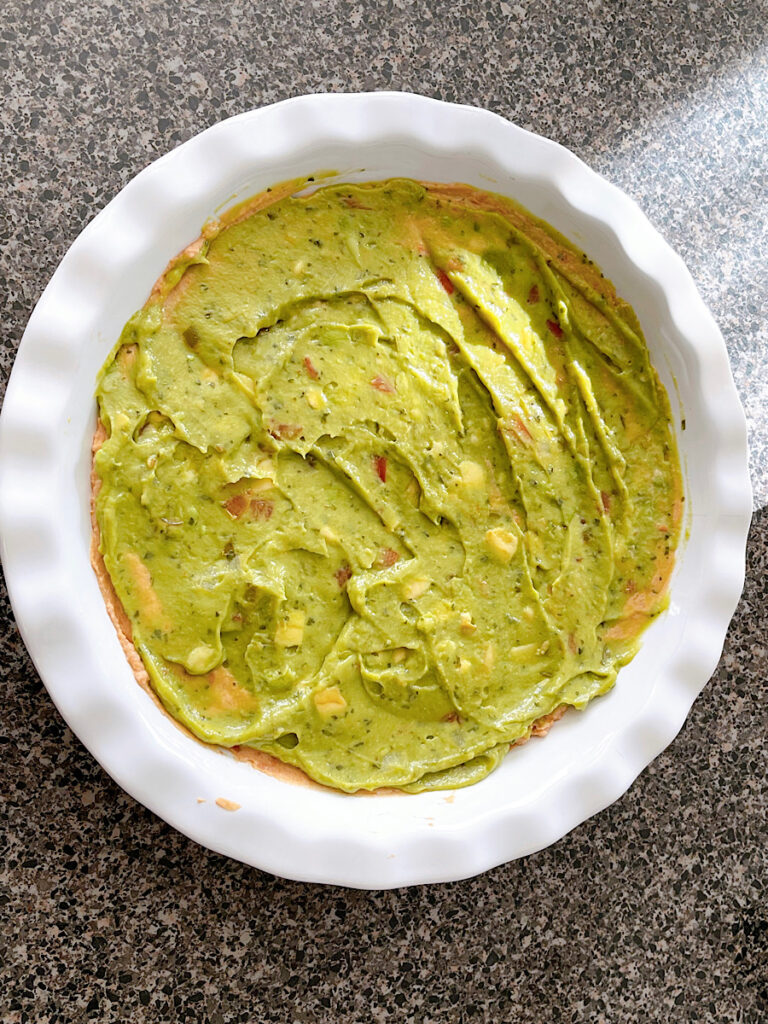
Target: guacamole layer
(388, 478)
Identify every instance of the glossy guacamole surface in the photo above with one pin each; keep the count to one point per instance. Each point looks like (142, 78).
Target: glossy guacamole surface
(388, 476)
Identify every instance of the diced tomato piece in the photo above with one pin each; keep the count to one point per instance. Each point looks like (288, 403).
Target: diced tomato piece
(311, 370)
(354, 203)
(522, 428)
(380, 465)
(342, 575)
(236, 505)
(382, 384)
(387, 557)
(555, 328)
(606, 500)
(517, 427)
(533, 294)
(286, 430)
(445, 281)
(261, 508)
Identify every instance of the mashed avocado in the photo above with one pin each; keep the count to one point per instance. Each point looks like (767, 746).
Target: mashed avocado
(388, 477)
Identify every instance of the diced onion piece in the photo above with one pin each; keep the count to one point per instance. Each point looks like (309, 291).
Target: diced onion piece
(466, 624)
(502, 543)
(290, 632)
(199, 659)
(416, 588)
(329, 701)
(472, 474)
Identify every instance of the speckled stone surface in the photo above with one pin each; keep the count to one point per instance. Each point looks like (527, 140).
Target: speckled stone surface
(655, 910)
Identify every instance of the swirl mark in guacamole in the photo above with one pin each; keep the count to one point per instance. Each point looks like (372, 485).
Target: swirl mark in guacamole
(388, 478)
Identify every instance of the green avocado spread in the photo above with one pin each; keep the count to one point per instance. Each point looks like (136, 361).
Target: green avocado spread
(387, 478)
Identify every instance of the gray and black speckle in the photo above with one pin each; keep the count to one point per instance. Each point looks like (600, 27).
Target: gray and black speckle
(655, 910)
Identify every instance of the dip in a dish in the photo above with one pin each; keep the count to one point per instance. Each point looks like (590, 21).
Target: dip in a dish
(384, 480)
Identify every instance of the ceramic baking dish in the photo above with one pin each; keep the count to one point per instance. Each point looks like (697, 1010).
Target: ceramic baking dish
(542, 789)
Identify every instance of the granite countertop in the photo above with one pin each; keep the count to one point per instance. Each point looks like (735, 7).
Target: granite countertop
(654, 910)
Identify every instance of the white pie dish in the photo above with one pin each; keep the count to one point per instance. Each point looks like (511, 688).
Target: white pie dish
(543, 789)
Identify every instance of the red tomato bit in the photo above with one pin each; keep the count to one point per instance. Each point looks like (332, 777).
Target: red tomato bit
(445, 281)
(342, 575)
(380, 465)
(387, 557)
(310, 368)
(533, 294)
(354, 203)
(236, 505)
(262, 509)
(555, 327)
(286, 430)
(382, 384)
(518, 429)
